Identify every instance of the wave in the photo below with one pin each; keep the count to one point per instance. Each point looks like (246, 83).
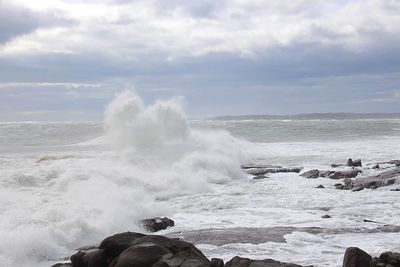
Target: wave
(147, 155)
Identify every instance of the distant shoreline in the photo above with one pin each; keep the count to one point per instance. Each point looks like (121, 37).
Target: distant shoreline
(310, 116)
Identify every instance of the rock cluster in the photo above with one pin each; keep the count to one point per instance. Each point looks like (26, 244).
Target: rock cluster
(355, 257)
(131, 249)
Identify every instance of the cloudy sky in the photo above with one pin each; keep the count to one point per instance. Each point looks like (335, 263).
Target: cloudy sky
(66, 59)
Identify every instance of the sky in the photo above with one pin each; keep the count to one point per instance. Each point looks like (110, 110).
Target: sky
(66, 59)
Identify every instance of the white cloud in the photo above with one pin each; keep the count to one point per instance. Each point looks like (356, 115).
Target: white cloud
(137, 29)
(10, 85)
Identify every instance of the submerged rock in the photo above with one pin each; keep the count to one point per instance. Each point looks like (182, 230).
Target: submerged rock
(246, 262)
(262, 171)
(157, 224)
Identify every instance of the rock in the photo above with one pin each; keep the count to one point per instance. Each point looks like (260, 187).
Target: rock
(262, 171)
(115, 244)
(215, 262)
(311, 174)
(382, 179)
(62, 265)
(261, 166)
(259, 177)
(315, 173)
(135, 249)
(395, 162)
(157, 224)
(356, 189)
(396, 189)
(347, 181)
(246, 262)
(355, 163)
(345, 174)
(325, 173)
(388, 259)
(326, 216)
(334, 165)
(376, 166)
(355, 257)
(320, 186)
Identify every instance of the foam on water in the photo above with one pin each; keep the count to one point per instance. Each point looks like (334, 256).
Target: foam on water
(76, 195)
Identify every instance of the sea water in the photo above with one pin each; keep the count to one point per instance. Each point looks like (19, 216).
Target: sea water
(64, 185)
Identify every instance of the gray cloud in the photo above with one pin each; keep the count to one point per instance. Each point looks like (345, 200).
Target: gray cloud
(223, 56)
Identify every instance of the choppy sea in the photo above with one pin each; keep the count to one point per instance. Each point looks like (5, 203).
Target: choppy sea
(64, 185)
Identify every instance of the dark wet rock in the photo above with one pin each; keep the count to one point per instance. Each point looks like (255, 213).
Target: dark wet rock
(134, 249)
(376, 166)
(157, 224)
(345, 174)
(357, 189)
(355, 257)
(382, 179)
(246, 262)
(388, 259)
(395, 162)
(396, 189)
(315, 173)
(334, 165)
(320, 186)
(261, 166)
(326, 216)
(115, 244)
(347, 181)
(260, 177)
(311, 174)
(62, 265)
(216, 262)
(262, 171)
(355, 163)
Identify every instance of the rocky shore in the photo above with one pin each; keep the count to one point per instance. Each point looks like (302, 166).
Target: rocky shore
(130, 249)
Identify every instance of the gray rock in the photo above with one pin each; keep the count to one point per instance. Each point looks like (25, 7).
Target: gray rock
(157, 224)
(259, 177)
(262, 171)
(345, 174)
(315, 173)
(355, 163)
(320, 186)
(246, 262)
(311, 174)
(355, 257)
(382, 179)
(62, 265)
(326, 216)
(334, 165)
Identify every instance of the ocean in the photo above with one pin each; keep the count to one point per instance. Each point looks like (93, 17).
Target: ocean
(64, 185)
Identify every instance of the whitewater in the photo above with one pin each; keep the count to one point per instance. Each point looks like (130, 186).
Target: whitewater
(64, 185)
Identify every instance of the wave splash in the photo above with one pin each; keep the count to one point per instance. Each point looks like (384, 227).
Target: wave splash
(154, 155)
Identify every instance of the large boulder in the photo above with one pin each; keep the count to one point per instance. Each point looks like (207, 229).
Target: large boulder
(355, 257)
(157, 224)
(246, 262)
(135, 250)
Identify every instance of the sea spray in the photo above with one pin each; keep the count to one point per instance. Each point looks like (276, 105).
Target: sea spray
(148, 155)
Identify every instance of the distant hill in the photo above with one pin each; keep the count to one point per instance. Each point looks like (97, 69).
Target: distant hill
(313, 116)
